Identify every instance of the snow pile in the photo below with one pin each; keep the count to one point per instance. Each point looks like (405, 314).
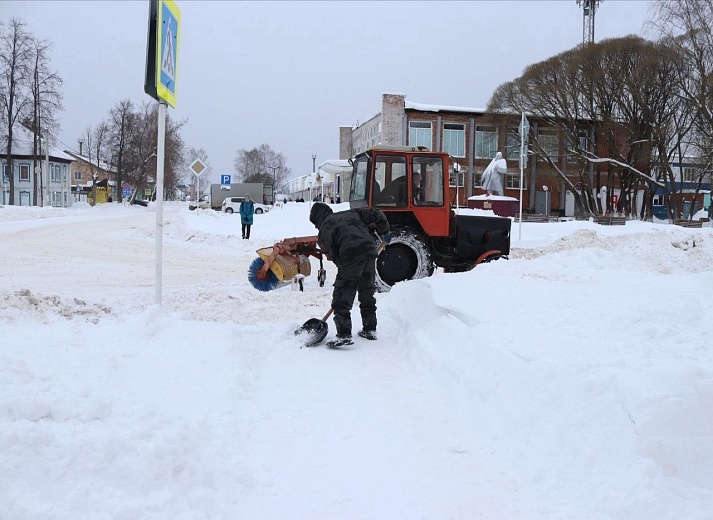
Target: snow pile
(572, 381)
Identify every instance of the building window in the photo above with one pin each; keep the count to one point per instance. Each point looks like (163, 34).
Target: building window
(689, 174)
(478, 178)
(513, 146)
(547, 137)
(454, 139)
(25, 172)
(419, 134)
(486, 142)
(77, 176)
(512, 182)
(458, 178)
(578, 148)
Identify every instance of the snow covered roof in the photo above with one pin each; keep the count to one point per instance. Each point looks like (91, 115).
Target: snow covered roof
(335, 166)
(440, 108)
(103, 165)
(22, 145)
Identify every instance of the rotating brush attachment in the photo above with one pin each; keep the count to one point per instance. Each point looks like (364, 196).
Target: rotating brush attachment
(261, 282)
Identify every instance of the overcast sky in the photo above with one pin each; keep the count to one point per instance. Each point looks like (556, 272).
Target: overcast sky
(289, 74)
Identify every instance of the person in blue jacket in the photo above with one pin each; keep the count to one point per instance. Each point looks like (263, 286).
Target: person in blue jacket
(247, 210)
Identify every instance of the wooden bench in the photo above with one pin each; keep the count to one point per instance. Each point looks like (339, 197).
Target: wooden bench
(689, 223)
(609, 220)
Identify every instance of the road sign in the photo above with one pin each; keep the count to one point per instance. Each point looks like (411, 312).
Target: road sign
(168, 40)
(524, 138)
(198, 167)
(225, 179)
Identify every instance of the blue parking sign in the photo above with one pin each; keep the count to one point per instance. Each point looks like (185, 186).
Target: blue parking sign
(225, 179)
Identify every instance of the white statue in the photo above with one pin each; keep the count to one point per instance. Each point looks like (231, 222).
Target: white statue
(493, 175)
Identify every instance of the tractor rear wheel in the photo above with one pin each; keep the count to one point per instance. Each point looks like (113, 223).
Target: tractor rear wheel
(407, 257)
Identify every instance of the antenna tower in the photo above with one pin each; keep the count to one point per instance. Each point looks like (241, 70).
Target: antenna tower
(590, 8)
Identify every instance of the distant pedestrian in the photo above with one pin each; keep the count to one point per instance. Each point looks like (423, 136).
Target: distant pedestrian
(247, 210)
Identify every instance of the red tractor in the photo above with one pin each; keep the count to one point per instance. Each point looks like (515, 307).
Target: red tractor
(412, 187)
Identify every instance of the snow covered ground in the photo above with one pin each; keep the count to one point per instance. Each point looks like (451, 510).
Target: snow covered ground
(574, 381)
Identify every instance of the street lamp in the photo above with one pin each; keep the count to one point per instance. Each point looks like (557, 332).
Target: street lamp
(274, 186)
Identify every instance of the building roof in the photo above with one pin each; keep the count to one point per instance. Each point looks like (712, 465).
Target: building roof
(440, 108)
(103, 165)
(22, 144)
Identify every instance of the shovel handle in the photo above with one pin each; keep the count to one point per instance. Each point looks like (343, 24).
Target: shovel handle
(329, 313)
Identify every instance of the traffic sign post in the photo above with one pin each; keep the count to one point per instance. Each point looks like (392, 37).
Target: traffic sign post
(198, 167)
(160, 83)
(524, 135)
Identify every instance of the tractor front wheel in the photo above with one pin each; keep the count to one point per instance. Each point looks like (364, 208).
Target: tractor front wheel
(407, 257)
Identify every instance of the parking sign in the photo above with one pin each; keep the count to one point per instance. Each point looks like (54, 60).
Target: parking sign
(225, 179)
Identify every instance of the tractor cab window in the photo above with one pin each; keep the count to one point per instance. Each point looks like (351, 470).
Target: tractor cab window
(358, 187)
(390, 181)
(428, 181)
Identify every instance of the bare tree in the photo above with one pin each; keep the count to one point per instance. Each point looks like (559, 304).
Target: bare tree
(687, 26)
(121, 120)
(15, 72)
(140, 169)
(261, 164)
(98, 150)
(613, 104)
(46, 100)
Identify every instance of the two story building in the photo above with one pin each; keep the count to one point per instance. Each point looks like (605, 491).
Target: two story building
(41, 180)
(472, 136)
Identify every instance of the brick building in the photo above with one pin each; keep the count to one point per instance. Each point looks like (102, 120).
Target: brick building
(472, 136)
(82, 178)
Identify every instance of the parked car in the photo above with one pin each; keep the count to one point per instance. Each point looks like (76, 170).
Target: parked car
(203, 203)
(232, 205)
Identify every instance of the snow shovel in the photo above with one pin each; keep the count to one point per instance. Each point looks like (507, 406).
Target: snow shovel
(314, 330)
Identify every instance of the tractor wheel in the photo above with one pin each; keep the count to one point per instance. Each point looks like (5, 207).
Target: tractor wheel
(407, 257)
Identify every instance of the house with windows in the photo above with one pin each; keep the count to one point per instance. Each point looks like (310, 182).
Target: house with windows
(86, 172)
(472, 136)
(37, 181)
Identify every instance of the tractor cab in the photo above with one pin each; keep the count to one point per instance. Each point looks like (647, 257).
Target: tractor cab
(409, 184)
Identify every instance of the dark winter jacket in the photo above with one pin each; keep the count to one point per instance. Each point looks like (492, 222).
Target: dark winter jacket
(247, 208)
(346, 234)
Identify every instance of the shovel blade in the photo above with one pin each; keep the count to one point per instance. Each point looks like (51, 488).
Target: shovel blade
(313, 332)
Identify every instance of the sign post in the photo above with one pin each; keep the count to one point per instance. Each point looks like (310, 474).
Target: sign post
(198, 167)
(160, 83)
(524, 134)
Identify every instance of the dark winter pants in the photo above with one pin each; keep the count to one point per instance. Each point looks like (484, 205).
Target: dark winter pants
(356, 276)
(246, 231)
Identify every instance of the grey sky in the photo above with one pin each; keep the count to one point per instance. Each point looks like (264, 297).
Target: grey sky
(290, 73)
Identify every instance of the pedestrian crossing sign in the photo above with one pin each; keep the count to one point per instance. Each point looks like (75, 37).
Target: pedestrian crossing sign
(167, 44)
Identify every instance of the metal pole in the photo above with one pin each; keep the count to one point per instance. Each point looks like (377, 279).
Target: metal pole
(46, 173)
(522, 162)
(159, 196)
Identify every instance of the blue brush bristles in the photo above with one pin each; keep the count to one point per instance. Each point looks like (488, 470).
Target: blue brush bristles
(268, 284)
